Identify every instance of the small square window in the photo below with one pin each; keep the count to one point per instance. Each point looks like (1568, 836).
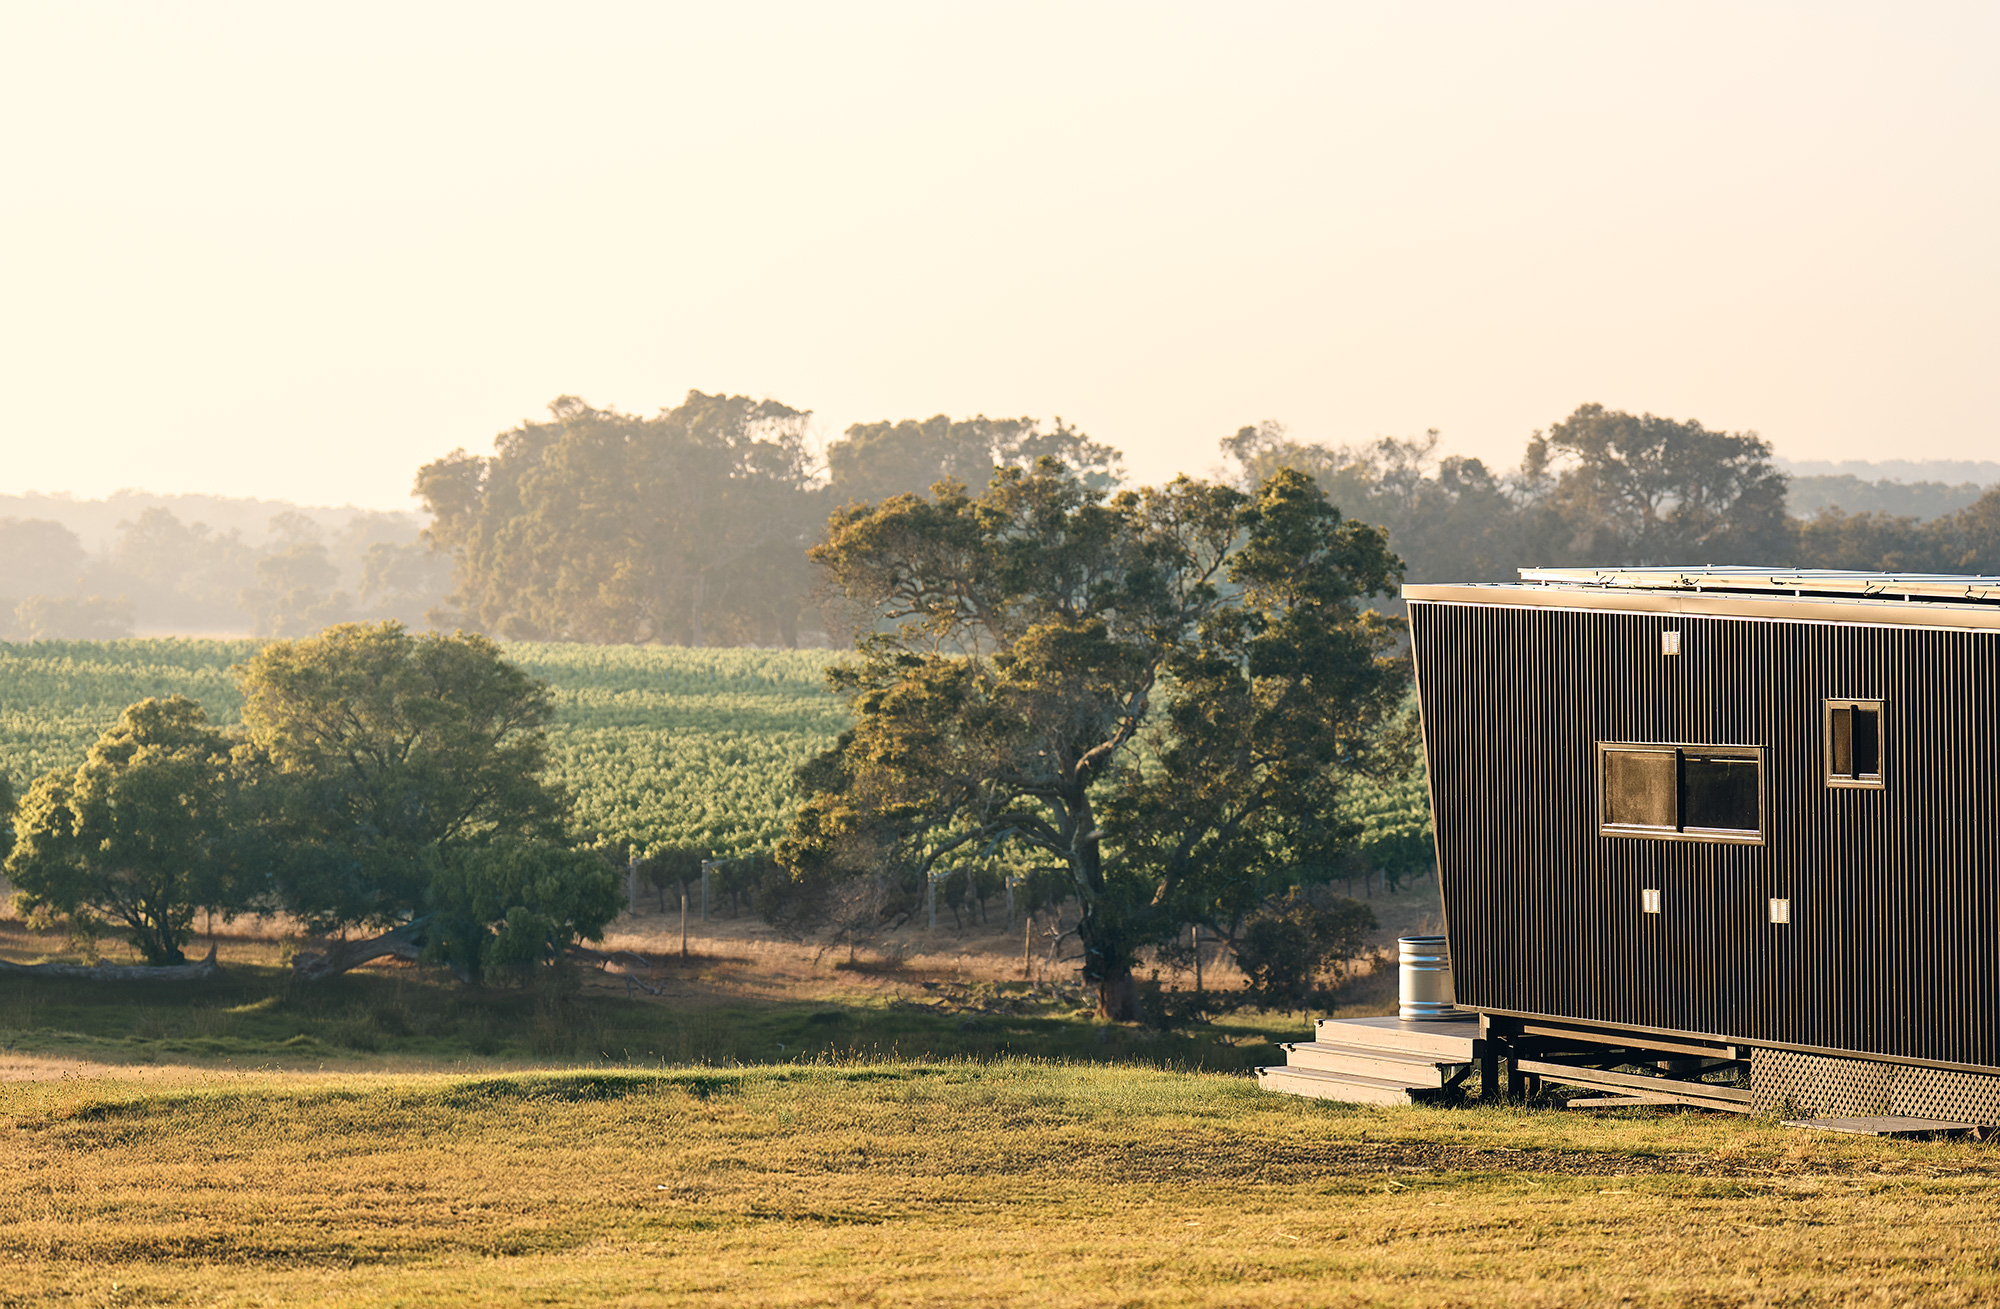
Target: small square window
(1854, 742)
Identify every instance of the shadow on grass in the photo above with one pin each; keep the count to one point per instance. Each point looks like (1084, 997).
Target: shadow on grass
(409, 1015)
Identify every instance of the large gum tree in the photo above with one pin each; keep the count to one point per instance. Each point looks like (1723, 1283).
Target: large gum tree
(1161, 691)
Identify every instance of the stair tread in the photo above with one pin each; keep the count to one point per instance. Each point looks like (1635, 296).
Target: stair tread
(1321, 1075)
(1378, 1053)
(1314, 1085)
(1454, 1039)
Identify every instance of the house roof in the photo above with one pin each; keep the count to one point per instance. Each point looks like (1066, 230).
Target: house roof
(1797, 594)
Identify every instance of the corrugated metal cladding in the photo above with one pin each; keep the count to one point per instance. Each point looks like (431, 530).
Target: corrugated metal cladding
(1893, 947)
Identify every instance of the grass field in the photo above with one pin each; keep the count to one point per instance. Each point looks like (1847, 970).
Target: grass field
(774, 1128)
(931, 1183)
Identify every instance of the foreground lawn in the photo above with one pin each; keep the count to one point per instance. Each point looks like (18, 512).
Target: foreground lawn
(944, 1183)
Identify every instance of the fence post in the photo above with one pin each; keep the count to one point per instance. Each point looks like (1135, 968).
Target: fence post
(930, 883)
(1195, 933)
(704, 890)
(632, 886)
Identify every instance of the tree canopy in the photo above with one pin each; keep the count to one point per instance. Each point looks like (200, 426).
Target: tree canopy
(407, 785)
(381, 781)
(873, 461)
(1160, 691)
(687, 527)
(146, 833)
(1642, 490)
(37, 555)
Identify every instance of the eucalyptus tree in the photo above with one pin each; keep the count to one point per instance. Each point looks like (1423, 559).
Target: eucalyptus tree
(1160, 692)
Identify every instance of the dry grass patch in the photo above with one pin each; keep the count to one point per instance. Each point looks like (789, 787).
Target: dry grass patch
(946, 1183)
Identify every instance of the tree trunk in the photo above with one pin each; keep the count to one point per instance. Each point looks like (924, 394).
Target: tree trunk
(1118, 997)
(1107, 965)
(153, 932)
(119, 972)
(405, 942)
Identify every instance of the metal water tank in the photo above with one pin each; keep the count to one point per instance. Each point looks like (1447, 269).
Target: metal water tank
(1424, 978)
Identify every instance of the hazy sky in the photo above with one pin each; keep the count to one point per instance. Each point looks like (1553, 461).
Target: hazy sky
(297, 251)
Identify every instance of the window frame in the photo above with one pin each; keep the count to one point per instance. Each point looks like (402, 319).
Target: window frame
(1874, 781)
(1680, 831)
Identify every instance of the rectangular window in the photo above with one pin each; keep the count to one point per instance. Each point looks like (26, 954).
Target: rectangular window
(1854, 743)
(1681, 792)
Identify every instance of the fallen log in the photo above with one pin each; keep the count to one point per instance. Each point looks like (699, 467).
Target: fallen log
(194, 972)
(405, 942)
(602, 959)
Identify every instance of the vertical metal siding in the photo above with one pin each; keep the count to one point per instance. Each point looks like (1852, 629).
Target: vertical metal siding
(1891, 948)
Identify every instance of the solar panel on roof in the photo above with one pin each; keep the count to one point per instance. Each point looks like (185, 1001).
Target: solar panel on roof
(1773, 581)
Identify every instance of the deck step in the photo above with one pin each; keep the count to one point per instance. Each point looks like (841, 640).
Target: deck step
(1335, 1086)
(1369, 1061)
(1445, 1040)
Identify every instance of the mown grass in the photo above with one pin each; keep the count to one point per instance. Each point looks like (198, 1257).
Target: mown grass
(952, 1182)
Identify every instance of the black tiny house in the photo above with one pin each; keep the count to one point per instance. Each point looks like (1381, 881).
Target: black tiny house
(1725, 817)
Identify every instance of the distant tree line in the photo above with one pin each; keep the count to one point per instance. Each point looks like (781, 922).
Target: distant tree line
(1604, 487)
(691, 526)
(1808, 493)
(161, 573)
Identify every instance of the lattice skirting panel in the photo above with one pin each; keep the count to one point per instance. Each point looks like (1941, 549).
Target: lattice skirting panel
(1821, 1086)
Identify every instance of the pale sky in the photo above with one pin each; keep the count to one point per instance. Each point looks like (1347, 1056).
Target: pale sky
(280, 250)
